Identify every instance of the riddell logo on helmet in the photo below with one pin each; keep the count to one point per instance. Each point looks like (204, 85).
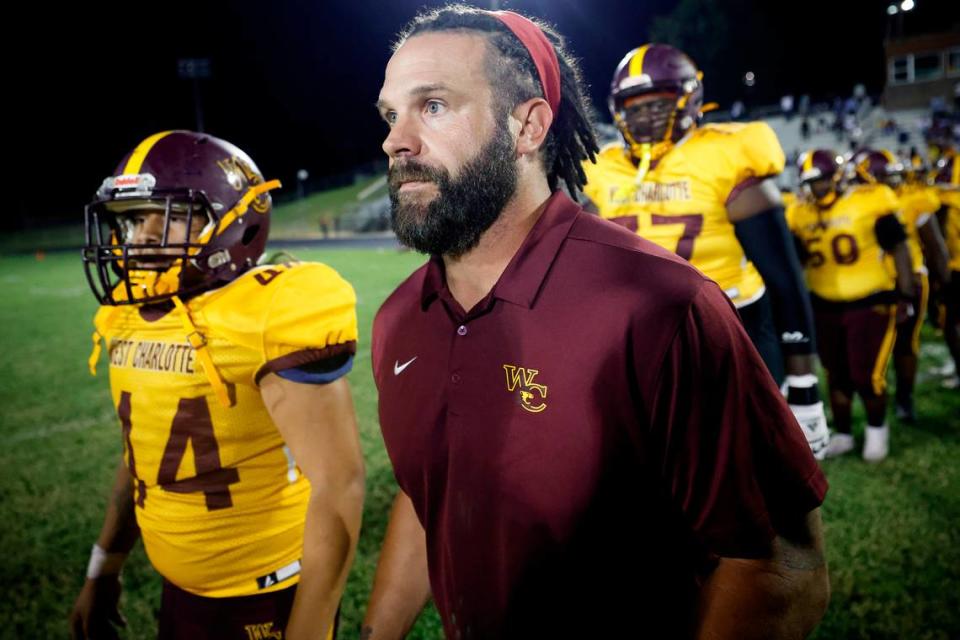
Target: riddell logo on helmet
(125, 182)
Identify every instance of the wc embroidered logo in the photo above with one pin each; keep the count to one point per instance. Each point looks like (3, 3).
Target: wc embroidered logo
(262, 632)
(532, 397)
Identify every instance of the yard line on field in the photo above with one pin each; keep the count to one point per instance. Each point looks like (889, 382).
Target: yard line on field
(27, 435)
(57, 292)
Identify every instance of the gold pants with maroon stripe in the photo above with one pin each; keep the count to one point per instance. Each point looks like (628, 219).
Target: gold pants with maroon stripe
(908, 332)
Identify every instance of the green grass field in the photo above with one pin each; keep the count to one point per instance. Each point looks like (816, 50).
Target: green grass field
(295, 219)
(893, 530)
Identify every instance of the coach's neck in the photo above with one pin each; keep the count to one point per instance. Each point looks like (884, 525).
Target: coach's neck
(471, 276)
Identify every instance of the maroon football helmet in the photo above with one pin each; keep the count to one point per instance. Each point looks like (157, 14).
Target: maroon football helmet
(821, 171)
(650, 70)
(183, 175)
(877, 165)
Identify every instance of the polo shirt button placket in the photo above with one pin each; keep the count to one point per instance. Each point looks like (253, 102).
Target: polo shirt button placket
(462, 330)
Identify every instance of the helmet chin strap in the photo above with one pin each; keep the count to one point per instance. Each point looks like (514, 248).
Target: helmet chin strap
(196, 339)
(199, 343)
(646, 152)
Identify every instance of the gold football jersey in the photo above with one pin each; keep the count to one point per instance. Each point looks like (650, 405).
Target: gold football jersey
(917, 204)
(219, 499)
(950, 197)
(846, 262)
(681, 202)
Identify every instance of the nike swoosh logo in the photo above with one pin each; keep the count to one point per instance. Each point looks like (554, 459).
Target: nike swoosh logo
(398, 368)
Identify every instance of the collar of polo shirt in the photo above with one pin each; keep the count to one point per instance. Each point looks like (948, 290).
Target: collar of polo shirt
(523, 277)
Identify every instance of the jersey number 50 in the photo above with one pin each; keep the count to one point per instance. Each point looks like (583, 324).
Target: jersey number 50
(843, 246)
(192, 422)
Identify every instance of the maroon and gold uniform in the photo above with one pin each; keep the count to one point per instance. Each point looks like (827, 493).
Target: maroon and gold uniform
(681, 202)
(219, 500)
(851, 282)
(918, 203)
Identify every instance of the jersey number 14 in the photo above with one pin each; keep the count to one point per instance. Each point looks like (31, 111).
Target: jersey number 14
(191, 423)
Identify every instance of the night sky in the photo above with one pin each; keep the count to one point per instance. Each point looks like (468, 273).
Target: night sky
(293, 82)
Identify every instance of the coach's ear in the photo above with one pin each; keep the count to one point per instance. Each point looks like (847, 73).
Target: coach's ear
(534, 118)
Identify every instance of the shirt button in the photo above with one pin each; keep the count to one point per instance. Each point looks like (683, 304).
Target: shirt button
(455, 378)
(462, 330)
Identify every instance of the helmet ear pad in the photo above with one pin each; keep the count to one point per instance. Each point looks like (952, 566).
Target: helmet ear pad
(236, 248)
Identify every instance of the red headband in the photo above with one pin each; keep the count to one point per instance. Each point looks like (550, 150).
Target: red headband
(540, 49)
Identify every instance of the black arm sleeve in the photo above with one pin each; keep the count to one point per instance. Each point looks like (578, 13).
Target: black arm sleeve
(889, 232)
(768, 244)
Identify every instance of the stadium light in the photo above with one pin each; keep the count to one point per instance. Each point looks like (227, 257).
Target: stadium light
(749, 79)
(892, 10)
(907, 5)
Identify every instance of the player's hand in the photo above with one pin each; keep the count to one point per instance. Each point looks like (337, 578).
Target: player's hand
(813, 421)
(905, 311)
(96, 613)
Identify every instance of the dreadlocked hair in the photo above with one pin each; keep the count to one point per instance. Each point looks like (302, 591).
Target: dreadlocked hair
(514, 80)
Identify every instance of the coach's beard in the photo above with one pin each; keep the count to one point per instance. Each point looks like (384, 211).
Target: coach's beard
(453, 221)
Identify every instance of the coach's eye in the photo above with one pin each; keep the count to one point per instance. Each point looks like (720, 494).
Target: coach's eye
(434, 107)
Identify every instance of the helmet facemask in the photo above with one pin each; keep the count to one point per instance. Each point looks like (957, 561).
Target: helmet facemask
(822, 191)
(146, 250)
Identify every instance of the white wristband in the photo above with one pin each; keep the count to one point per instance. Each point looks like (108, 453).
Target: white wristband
(804, 381)
(103, 563)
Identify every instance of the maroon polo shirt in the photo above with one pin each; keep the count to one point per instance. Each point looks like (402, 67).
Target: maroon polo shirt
(583, 444)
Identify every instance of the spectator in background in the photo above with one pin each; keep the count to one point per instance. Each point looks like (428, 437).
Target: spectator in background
(786, 106)
(737, 110)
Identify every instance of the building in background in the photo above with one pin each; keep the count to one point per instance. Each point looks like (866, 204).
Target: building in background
(922, 70)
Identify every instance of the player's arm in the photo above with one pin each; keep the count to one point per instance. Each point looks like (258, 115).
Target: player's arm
(783, 596)
(318, 424)
(758, 220)
(96, 609)
(761, 228)
(892, 238)
(401, 587)
(935, 249)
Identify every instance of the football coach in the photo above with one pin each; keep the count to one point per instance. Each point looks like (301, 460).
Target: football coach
(586, 442)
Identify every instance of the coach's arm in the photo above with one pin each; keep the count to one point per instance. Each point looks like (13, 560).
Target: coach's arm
(401, 587)
(318, 424)
(778, 598)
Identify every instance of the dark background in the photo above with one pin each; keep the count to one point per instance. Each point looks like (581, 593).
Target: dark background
(293, 82)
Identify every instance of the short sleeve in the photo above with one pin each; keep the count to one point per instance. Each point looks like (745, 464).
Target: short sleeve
(310, 318)
(758, 156)
(921, 204)
(883, 200)
(733, 458)
(949, 196)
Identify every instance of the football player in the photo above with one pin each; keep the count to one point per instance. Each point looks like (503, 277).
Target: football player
(241, 467)
(844, 235)
(947, 181)
(918, 207)
(708, 193)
